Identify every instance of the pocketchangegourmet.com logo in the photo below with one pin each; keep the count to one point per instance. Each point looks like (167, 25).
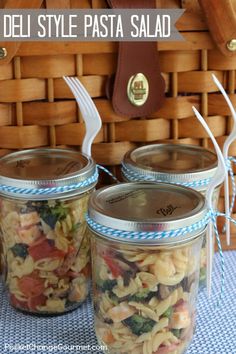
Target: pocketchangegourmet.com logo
(33, 347)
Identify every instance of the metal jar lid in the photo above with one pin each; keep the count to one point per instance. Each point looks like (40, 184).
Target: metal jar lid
(189, 165)
(46, 173)
(147, 208)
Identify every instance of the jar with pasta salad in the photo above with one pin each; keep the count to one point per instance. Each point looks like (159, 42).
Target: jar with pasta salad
(46, 250)
(146, 242)
(187, 165)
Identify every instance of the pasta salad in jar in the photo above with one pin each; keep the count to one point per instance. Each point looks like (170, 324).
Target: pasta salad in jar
(145, 270)
(182, 164)
(46, 246)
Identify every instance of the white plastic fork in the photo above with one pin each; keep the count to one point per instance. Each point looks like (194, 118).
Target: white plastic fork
(220, 175)
(228, 142)
(89, 112)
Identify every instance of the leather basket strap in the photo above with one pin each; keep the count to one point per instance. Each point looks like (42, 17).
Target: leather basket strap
(221, 19)
(139, 88)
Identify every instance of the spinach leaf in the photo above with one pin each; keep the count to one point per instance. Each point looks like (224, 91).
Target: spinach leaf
(51, 215)
(140, 296)
(139, 324)
(107, 284)
(176, 332)
(168, 312)
(20, 250)
(75, 227)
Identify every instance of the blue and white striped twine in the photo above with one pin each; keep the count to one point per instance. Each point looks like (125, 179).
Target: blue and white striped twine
(134, 176)
(102, 168)
(59, 189)
(148, 235)
(211, 216)
(51, 190)
(130, 175)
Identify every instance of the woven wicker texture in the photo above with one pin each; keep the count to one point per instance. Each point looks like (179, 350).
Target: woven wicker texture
(37, 108)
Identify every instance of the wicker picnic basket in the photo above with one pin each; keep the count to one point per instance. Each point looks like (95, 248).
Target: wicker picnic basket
(37, 109)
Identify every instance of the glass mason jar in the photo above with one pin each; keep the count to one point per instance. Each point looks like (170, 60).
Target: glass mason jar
(186, 165)
(146, 242)
(46, 250)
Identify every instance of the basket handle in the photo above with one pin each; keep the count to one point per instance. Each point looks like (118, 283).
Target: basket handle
(9, 49)
(139, 88)
(221, 19)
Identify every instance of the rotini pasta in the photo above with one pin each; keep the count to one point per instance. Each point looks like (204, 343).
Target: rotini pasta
(171, 281)
(121, 290)
(143, 300)
(47, 253)
(160, 325)
(47, 264)
(53, 305)
(176, 163)
(145, 310)
(20, 267)
(159, 338)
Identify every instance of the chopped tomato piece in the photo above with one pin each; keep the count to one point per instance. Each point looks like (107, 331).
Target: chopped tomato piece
(31, 285)
(166, 349)
(17, 303)
(114, 266)
(42, 248)
(68, 261)
(86, 271)
(107, 336)
(35, 301)
(181, 306)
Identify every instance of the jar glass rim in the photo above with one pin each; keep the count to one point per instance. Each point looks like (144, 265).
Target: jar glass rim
(54, 172)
